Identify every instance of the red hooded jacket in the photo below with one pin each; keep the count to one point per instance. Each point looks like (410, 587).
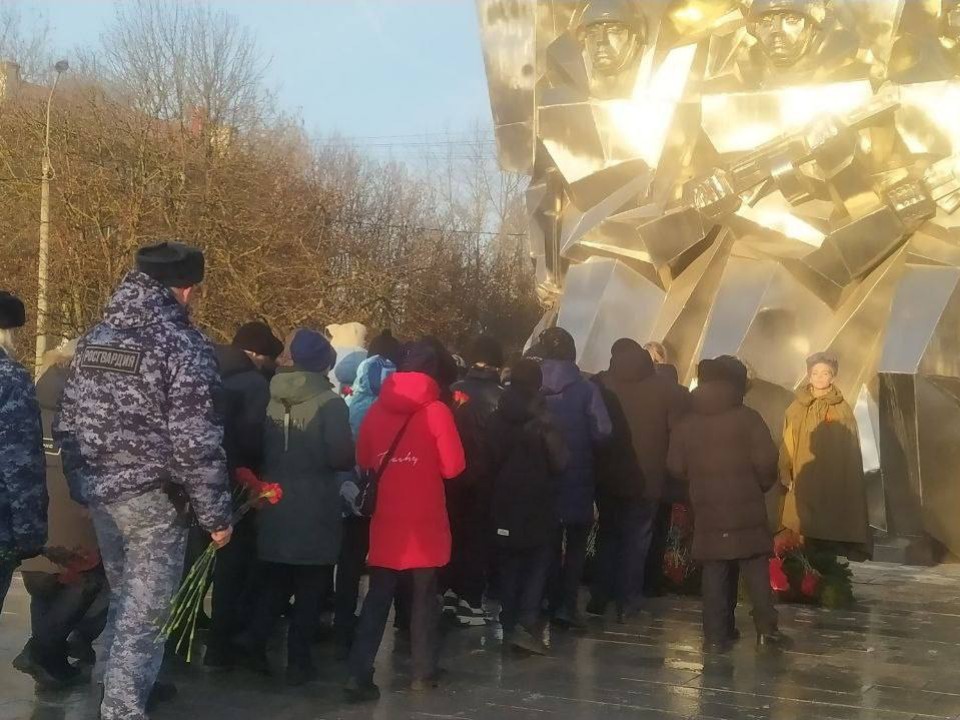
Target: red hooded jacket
(410, 528)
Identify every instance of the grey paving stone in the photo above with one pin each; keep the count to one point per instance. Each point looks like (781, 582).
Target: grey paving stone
(893, 657)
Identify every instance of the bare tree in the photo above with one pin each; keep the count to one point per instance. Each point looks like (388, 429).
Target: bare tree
(25, 39)
(297, 232)
(186, 62)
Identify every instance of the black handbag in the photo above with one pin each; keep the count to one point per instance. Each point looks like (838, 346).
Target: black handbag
(368, 480)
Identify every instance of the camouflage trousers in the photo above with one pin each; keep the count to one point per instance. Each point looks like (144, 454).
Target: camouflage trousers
(143, 547)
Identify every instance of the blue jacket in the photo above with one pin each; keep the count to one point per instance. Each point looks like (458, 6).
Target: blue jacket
(23, 484)
(138, 410)
(578, 409)
(371, 375)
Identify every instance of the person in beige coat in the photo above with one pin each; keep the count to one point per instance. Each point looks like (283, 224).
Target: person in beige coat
(67, 585)
(821, 466)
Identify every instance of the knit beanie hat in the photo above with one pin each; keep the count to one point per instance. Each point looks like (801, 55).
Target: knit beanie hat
(172, 264)
(555, 344)
(346, 370)
(12, 312)
(386, 346)
(311, 351)
(258, 338)
(421, 357)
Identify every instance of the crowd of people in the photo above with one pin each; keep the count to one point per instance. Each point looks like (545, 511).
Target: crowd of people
(455, 486)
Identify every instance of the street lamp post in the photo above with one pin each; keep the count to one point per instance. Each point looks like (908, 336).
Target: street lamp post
(43, 253)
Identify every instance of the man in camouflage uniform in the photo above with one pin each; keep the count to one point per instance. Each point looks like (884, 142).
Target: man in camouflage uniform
(138, 432)
(23, 486)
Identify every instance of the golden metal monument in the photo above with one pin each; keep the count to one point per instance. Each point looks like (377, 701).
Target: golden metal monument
(764, 179)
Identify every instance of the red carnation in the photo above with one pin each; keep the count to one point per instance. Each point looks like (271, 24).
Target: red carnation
(272, 493)
(81, 561)
(786, 542)
(460, 398)
(247, 478)
(778, 578)
(810, 584)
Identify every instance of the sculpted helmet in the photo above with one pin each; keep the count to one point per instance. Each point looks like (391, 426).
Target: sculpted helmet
(814, 10)
(610, 11)
(950, 12)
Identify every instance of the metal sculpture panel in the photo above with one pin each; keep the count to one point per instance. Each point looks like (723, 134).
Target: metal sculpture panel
(764, 178)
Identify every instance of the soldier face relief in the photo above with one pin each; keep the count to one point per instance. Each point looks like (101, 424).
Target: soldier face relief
(611, 46)
(783, 36)
(951, 27)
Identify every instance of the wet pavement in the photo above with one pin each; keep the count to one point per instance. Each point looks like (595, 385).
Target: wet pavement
(896, 656)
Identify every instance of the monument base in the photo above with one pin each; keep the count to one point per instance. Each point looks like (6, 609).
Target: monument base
(918, 551)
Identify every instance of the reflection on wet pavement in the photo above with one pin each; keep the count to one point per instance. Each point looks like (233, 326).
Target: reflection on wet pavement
(894, 657)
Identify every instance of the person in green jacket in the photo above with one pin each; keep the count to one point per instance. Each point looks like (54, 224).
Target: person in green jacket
(307, 440)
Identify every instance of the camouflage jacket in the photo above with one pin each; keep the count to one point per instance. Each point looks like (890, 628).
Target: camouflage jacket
(138, 410)
(23, 485)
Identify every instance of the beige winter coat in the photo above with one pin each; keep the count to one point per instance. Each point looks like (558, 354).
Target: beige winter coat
(821, 465)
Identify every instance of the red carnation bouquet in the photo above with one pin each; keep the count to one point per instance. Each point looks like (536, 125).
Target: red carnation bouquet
(799, 574)
(680, 570)
(185, 606)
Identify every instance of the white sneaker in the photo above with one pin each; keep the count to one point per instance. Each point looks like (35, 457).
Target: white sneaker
(470, 616)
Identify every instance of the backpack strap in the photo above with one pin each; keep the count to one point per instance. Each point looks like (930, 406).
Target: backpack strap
(393, 447)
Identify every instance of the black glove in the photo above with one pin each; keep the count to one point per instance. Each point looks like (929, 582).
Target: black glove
(28, 552)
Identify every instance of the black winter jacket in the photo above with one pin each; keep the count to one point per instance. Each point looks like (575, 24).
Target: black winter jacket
(527, 454)
(474, 400)
(243, 401)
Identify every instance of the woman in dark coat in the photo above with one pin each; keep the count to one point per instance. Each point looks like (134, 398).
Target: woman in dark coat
(579, 410)
(307, 440)
(724, 450)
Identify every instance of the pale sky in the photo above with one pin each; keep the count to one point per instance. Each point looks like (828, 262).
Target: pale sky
(367, 69)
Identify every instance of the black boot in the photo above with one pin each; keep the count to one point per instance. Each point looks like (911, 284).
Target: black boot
(775, 639)
(300, 674)
(597, 607)
(360, 691)
(50, 671)
(162, 692)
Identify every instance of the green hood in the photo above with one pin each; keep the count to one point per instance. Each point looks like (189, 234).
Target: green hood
(298, 386)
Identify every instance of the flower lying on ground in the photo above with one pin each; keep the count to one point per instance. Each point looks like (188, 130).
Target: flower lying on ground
(801, 574)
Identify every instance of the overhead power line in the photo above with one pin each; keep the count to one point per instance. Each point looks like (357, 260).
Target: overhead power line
(435, 143)
(421, 228)
(414, 136)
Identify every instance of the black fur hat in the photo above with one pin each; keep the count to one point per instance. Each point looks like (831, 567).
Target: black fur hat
(12, 312)
(172, 264)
